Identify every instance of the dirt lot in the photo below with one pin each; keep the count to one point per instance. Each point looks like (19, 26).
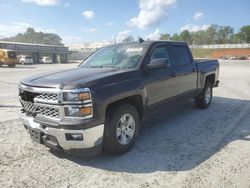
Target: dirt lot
(180, 147)
(217, 53)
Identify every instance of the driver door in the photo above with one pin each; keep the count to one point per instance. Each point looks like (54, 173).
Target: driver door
(161, 84)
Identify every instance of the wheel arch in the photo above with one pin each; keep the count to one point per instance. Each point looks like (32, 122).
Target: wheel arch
(135, 100)
(210, 78)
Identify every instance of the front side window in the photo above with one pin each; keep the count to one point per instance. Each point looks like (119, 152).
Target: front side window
(120, 56)
(159, 52)
(180, 55)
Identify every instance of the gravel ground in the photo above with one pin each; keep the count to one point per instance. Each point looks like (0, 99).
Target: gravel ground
(179, 147)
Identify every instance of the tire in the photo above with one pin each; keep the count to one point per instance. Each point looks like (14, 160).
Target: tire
(121, 129)
(204, 100)
(12, 65)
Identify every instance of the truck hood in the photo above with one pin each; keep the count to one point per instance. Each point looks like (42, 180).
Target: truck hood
(69, 79)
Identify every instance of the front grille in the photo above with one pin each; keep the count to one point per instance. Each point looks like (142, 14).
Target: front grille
(43, 102)
(27, 95)
(34, 109)
(29, 107)
(48, 111)
(46, 98)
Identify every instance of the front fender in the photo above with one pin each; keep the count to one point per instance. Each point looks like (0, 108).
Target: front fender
(111, 93)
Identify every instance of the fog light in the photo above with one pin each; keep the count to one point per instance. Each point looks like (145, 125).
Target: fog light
(74, 136)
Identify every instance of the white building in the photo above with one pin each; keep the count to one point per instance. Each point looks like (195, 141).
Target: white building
(88, 46)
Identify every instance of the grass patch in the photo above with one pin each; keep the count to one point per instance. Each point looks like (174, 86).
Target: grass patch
(202, 53)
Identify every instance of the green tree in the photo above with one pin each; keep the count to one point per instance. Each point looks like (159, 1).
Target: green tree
(31, 36)
(212, 34)
(244, 34)
(128, 39)
(225, 32)
(165, 36)
(235, 39)
(185, 36)
(199, 37)
(175, 37)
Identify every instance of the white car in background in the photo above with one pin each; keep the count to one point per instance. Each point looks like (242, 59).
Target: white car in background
(233, 58)
(25, 59)
(45, 59)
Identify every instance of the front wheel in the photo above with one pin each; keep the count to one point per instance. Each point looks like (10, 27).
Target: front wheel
(121, 129)
(203, 101)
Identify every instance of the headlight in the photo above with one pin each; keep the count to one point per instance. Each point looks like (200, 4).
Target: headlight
(77, 96)
(78, 103)
(76, 111)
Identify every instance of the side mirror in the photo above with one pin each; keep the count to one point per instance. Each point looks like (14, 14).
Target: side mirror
(158, 63)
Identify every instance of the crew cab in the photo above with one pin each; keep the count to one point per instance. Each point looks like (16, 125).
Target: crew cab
(102, 103)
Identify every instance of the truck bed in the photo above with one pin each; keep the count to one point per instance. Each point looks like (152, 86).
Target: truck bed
(204, 67)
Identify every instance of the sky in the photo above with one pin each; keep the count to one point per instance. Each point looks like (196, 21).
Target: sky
(81, 21)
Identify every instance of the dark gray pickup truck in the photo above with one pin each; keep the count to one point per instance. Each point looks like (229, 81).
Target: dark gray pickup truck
(102, 102)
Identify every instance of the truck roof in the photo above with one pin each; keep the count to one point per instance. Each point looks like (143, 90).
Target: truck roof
(149, 43)
(165, 41)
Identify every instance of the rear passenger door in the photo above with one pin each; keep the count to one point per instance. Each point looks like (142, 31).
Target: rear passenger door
(185, 69)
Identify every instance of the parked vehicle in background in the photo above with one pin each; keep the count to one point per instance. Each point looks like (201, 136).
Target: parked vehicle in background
(8, 57)
(25, 59)
(224, 57)
(103, 102)
(233, 58)
(242, 58)
(45, 59)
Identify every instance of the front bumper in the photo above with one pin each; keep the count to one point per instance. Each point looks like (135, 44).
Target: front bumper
(92, 137)
(10, 62)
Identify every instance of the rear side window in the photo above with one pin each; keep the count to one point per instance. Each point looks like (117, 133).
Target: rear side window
(180, 55)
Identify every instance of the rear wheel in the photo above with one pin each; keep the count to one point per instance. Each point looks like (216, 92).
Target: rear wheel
(203, 101)
(121, 128)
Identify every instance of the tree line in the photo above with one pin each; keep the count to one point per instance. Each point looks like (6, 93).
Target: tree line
(31, 36)
(215, 34)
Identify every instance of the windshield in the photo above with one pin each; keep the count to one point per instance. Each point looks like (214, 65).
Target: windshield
(11, 55)
(119, 56)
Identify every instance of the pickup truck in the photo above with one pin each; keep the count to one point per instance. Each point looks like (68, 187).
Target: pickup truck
(101, 104)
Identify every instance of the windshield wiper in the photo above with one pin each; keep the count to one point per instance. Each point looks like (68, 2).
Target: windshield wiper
(103, 66)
